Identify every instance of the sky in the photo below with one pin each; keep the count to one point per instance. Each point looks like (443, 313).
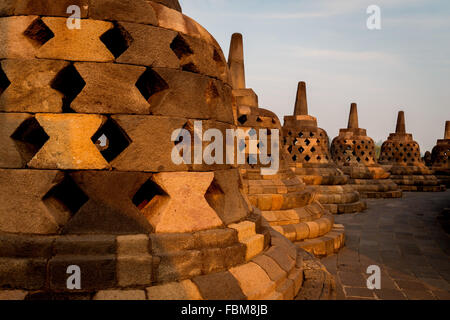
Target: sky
(326, 43)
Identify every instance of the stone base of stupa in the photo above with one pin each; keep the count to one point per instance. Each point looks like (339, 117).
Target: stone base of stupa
(331, 187)
(291, 209)
(372, 182)
(415, 178)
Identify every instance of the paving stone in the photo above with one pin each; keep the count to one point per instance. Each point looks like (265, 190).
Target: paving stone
(410, 285)
(352, 292)
(419, 295)
(390, 294)
(12, 294)
(351, 279)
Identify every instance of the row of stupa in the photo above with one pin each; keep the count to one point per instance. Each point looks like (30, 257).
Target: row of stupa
(87, 145)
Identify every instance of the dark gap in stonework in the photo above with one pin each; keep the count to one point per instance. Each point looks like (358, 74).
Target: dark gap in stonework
(111, 140)
(66, 196)
(117, 40)
(70, 83)
(29, 138)
(219, 62)
(4, 81)
(146, 193)
(190, 67)
(242, 119)
(150, 84)
(259, 119)
(216, 197)
(38, 32)
(180, 47)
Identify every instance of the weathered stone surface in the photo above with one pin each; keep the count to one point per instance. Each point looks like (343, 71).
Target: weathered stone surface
(25, 246)
(179, 266)
(82, 44)
(15, 44)
(110, 88)
(225, 287)
(7, 8)
(30, 89)
(70, 145)
(138, 11)
(110, 208)
(10, 157)
(194, 96)
(22, 209)
(187, 209)
(253, 280)
(184, 290)
(225, 196)
(163, 243)
(216, 238)
(22, 273)
(150, 47)
(134, 264)
(172, 4)
(97, 272)
(280, 256)
(85, 245)
(50, 7)
(151, 145)
(273, 270)
(120, 295)
(12, 294)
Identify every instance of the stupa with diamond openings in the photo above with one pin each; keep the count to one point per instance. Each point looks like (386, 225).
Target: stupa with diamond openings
(86, 173)
(307, 146)
(400, 155)
(354, 152)
(285, 202)
(440, 157)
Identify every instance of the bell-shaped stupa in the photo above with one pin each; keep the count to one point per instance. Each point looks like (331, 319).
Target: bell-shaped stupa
(354, 152)
(308, 155)
(88, 182)
(440, 157)
(400, 155)
(286, 204)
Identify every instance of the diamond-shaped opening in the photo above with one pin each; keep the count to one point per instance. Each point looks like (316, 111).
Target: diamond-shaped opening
(354, 153)
(117, 40)
(38, 33)
(301, 149)
(180, 47)
(367, 159)
(319, 158)
(190, 67)
(113, 137)
(65, 197)
(289, 149)
(29, 138)
(300, 134)
(243, 119)
(358, 159)
(70, 83)
(313, 149)
(149, 196)
(152, 86)
(326, 157)
(359, 147)
(363, 153)
(307, 158)
(211, 93)
(354, 142)
(216, 197)
(307, 142)
(318, 141)
(4, 81)
(347, 159)
(219, 62)
(311, 134)
(258, 119)
(294, 158)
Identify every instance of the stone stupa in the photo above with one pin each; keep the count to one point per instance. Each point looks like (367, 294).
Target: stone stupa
(307, 146)
(354, 152)
(285, 202)
(87, 181)
(440, 157)
(400, 155)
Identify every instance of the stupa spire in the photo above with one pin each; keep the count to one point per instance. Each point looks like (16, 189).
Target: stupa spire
(236, 61)
(401, 128)
(301, 103)
(353, 117)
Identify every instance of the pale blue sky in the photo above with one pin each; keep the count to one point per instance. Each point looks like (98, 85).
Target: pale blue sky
(404, 66)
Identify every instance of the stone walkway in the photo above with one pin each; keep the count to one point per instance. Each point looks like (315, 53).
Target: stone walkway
(405, 239)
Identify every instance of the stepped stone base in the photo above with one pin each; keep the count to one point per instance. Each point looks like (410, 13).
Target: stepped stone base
(384, 195)
(318, 283)
(343, 208)
(326, 245)
(439, 188)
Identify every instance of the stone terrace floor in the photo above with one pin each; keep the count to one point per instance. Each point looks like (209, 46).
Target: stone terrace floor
(405, 239)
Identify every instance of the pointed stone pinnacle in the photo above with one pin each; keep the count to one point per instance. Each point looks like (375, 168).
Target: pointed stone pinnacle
(236, 61)
(447, 130)
(353, 117)
(400, 123)
(301, 103)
